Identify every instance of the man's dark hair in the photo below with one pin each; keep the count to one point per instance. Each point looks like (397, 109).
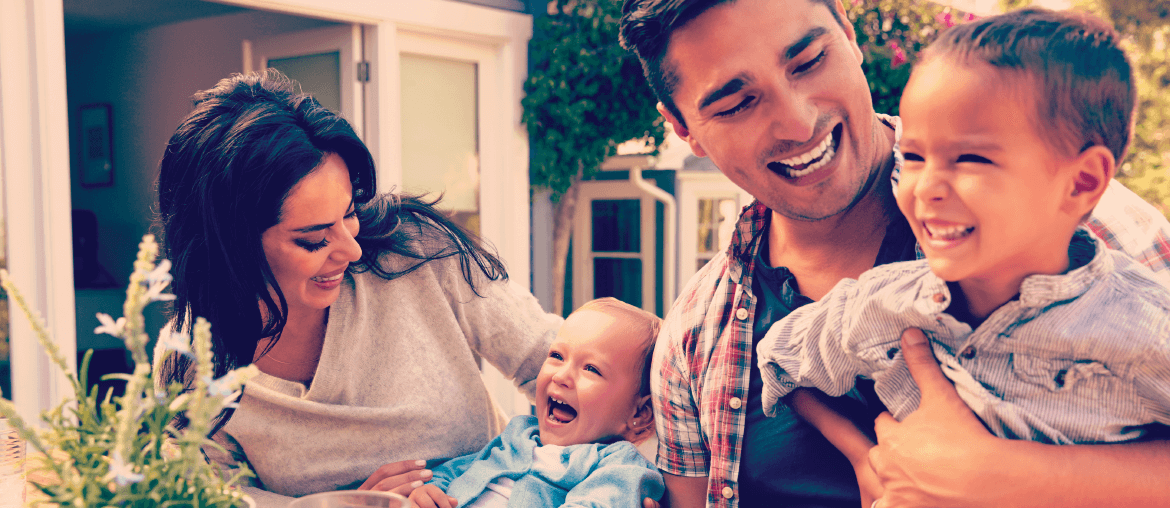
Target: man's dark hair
(646, 29)
(1080, 78)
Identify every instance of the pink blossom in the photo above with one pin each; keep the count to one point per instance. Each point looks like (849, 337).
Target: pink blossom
(899, 55)
(946, 19)
(970, 17)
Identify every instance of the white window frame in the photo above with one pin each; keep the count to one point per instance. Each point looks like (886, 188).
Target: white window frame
(34, 160)
(583, 254)
(693, 186)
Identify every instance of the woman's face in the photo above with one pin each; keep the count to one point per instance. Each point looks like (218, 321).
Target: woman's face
(313, 244)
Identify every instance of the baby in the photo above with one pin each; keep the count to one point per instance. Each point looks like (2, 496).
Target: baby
(1014, 126)
(592, 405)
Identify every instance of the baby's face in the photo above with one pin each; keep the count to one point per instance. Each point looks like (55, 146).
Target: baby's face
(981, 189)
(588, 386)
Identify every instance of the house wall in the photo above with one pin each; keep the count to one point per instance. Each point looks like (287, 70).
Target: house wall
(147, 76)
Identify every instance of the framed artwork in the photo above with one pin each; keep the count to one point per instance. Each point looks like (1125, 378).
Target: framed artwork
(97, 146)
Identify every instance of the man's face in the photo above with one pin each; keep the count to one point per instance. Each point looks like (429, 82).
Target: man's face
(773, 92)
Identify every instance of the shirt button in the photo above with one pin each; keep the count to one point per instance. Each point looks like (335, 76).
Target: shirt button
(728, 493)
(736, 403)
(939, 298)
(741, 314)
(968, 352)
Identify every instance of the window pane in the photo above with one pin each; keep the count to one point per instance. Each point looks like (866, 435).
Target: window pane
(617, 225)
(440, 137)
(715, 225)
(319, 75)
(619, 278)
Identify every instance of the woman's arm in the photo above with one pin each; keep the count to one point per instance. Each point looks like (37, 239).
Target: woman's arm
(941, 455)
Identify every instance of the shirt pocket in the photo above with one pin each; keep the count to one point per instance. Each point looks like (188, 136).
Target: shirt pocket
(1088, 378)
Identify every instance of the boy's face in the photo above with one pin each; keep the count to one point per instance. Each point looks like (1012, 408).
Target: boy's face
(588, 387)
(773, 92)
(983, 192)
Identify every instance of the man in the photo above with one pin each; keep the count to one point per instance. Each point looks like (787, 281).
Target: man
(773, 92)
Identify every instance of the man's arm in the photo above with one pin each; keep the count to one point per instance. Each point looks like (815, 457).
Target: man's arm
(676, 419)
(685, 491)
(941, 455)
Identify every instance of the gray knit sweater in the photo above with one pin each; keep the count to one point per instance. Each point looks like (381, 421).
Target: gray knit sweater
(397, 380)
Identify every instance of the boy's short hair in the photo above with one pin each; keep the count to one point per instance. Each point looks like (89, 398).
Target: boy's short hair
(1082, 81)
(644, 324)
(646, 28)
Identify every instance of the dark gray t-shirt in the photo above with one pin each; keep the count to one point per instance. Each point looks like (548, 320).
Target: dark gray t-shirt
(786, 461)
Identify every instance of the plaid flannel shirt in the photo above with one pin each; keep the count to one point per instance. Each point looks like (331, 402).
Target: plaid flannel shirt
(702, 360)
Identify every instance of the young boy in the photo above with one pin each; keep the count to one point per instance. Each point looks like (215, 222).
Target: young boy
(592, 405)
(1014, 125)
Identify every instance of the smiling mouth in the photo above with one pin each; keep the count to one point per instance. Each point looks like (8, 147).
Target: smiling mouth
(807, 163)
(948, 233)
(560, 411)
(328, 279)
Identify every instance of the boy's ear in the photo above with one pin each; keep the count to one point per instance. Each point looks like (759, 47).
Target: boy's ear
(681, 130)
(641, 425)
(1091, 172)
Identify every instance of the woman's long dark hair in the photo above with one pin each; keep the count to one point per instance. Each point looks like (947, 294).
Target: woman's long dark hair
(223, 178)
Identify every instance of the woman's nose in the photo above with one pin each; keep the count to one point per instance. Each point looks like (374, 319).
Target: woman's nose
(348, 250)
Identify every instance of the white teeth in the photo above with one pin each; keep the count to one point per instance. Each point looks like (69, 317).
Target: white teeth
(329, 279)
(949, 232)
(813, 167)
(811, 154)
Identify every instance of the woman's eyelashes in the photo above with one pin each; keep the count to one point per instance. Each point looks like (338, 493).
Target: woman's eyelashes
(312, 246)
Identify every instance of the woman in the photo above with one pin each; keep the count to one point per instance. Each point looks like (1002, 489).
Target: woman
(365, 313)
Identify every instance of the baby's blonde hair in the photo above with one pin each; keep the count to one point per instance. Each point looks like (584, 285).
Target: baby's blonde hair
(642, 323)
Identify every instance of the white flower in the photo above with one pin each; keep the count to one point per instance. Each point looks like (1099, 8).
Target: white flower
(122, 473)
(156, 281)
(160, 275)
(228, 385)
(109, 325)
(169, 340)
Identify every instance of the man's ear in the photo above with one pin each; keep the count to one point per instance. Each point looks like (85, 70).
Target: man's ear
(641, 425)
(848, 27)
(681, 130)
(1090, 172)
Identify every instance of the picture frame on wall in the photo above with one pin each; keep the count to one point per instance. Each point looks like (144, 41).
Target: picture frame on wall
(97, 146)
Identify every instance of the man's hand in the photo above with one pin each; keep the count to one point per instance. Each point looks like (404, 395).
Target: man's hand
(398, 477)
(940, 455)
(430, 496)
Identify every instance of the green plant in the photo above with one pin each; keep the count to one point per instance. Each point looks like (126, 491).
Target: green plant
(891, 33)
(584, 96)
(125, 451)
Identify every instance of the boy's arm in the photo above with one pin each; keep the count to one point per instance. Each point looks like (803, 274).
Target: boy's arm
(842, 434)
(622, 478)
(810, 348)
(941, 455)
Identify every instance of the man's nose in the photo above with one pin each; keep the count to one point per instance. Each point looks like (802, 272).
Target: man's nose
(793, 117)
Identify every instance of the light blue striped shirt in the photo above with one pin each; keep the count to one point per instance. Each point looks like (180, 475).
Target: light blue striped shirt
(1082, 357)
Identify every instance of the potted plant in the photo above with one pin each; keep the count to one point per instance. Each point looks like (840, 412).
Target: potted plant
(124, 451)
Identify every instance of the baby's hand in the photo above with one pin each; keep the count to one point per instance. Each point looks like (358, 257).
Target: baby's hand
(430, 496)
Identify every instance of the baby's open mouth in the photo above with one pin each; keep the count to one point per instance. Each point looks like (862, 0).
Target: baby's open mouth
(812, 160)
(560, 412)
